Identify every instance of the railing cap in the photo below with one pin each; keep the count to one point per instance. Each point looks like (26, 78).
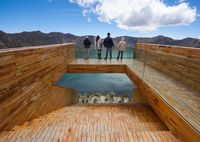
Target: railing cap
(168, 46)
(34, 47)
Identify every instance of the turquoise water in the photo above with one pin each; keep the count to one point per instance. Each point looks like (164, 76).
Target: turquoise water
(117, 82)
(128, 53)
(103, 83)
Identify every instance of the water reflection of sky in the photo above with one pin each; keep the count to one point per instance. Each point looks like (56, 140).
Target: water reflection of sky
(117, 82)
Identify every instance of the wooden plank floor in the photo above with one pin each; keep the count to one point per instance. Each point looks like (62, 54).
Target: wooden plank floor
(93, 123)
(181, 98)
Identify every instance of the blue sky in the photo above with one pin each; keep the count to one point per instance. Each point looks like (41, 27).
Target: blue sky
(67, 17)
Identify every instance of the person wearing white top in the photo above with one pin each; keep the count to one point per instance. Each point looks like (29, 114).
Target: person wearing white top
(99, 46)
(95, 43)
(121, 48)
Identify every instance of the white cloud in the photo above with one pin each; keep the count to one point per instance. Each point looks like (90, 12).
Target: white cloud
(139, 15)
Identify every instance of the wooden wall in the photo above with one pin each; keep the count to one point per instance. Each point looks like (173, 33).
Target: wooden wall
(181, 63)
(27, 78)
(168, 115)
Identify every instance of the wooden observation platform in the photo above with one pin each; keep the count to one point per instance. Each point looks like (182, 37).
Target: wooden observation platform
(33, 109)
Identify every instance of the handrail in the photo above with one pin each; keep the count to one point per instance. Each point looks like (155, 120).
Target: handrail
(34, 47)
(187, 52)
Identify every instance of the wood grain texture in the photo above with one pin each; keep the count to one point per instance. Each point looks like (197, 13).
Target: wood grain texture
(176, 103)
(94, 123)
(179, 62)
(187, 52)
(95, 69)
(178, 125)
(27, 77)
(96, 66)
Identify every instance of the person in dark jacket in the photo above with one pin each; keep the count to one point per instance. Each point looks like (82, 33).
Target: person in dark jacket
(108, 44)
(86, 44)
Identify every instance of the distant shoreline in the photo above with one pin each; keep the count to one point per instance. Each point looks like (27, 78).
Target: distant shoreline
(36, 38)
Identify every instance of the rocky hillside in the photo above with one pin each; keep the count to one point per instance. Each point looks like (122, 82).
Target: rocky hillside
(38, 38)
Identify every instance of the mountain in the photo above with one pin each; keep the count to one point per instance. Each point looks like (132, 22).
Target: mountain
(39, 38)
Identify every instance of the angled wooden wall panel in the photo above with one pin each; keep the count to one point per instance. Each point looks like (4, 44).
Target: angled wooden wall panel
(188, 52)
(179, 62)
(27, 78)
(168, 115)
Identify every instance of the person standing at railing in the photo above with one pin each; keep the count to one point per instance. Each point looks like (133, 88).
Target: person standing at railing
(108, 44)
(99, 45)
(87, 44)
(121, 48)
(95, 43)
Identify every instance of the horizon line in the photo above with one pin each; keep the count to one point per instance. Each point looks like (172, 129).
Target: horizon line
(97, 34)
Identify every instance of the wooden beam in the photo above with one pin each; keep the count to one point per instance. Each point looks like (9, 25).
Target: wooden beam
(78, 68)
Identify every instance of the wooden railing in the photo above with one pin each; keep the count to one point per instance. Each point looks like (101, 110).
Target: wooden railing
(182, 63)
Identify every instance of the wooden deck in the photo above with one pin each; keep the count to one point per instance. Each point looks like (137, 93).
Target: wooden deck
(182, 99)
(90, 123)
